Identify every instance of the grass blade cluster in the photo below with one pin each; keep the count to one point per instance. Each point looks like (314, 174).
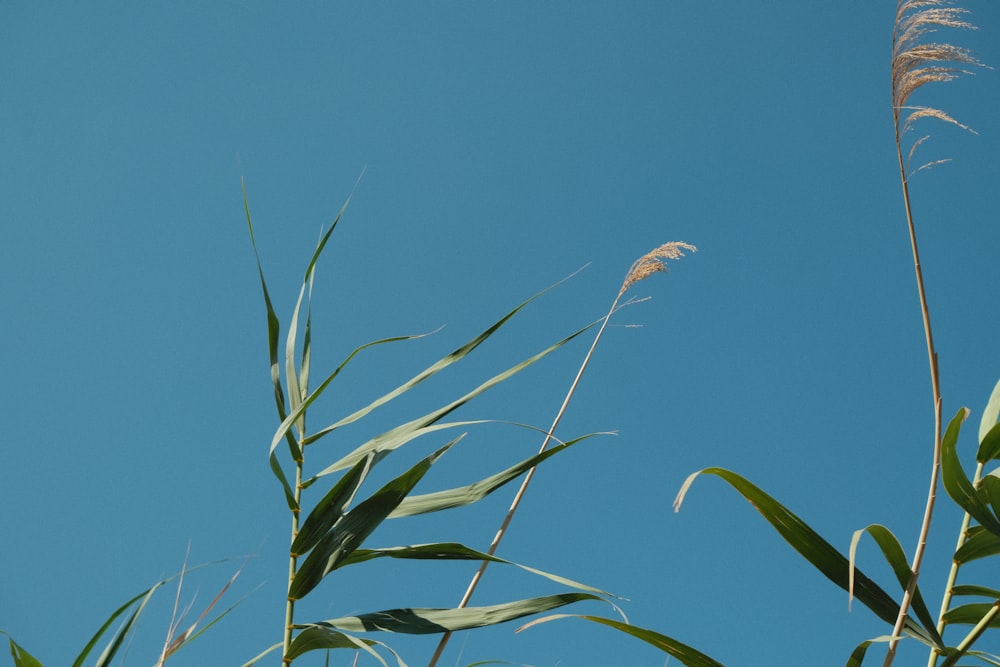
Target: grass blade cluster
(332, 534)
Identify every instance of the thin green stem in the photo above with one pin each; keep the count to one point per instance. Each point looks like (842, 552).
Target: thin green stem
(651, 262)
(527, 480)
(982, 626)
(292, 561)
(963, 535)
(925, 525)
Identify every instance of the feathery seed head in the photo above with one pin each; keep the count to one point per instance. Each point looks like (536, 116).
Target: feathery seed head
(652, 262)
(916, 63)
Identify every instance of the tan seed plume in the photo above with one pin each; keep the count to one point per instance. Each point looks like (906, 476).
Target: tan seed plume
(652, 262)
(915, 62)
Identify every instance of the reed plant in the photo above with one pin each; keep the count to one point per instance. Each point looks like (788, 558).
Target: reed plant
(917, 60)
(335, 503)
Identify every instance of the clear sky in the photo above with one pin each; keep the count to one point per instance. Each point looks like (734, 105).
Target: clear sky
(505, 145)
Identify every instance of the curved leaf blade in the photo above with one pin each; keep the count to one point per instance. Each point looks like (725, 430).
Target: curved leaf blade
(980, 543)
(820, 553)
(455, 551)
(21, 657)
(974, 613)
(438, 366)
(331, 508)
(284, 429)
(688, 656)
(422, 621)
(400, 435)
(991, 415)
(471, 493)
(893, 553)
(989, 445)
(354, 527)
(979, 591)
(116, 640)
(957, 484)
(319, 638)
(262, 655)
(273, 333)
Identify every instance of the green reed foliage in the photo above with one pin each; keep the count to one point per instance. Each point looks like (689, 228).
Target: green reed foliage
(916, 62)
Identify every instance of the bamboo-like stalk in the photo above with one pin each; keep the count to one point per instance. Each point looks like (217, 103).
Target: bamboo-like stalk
(925, 524)
(915, 63)
(963, 535)
(292, 561)
(650, 263)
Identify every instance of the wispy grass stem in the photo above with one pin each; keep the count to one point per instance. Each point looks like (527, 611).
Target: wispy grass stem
(645, 266)
(915, 63)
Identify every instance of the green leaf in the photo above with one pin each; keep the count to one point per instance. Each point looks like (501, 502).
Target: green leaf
(434, 368)
(319, 638)
(284, 429)
(990, 416)
(455, 551)
(298, 386)
(353, 528)
(980, 591)
(400, 435)
(331, 508)
(21, 657)
(273, 331)
(686, 654)
(466, 495)
(823, 556)
(422, 621)
(893, 553)
(989, 491)
(957, 484)
(858, 654)
(971, 614)
(260, 656)
(988, 658)
(989, 446)
(979, 544)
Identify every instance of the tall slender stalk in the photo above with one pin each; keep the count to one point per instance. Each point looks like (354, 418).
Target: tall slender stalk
(292, 560)
(925, 524)
(915, 63)
(963, 535)
(650, 263)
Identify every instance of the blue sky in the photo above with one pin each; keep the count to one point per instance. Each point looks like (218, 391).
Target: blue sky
(504, 145)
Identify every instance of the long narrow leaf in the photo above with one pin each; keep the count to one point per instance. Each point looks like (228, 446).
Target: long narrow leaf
(331, 508)
(893, 553)
(438, 366)
(350, 531)
(971, 614)
(403, 433)
(688, 656)
(455, 551)
(21, 657)
(978, 591)
(111, 648)
(991, 414)
(957, 484)
(260, 656)
(422, 621)
(989, 445)
(319, 638)
(471, 493)
(284, 429)
(989, 491)
(273, 331)
(979, 544)
(858, 654)
(823, 556)
(988, 658)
